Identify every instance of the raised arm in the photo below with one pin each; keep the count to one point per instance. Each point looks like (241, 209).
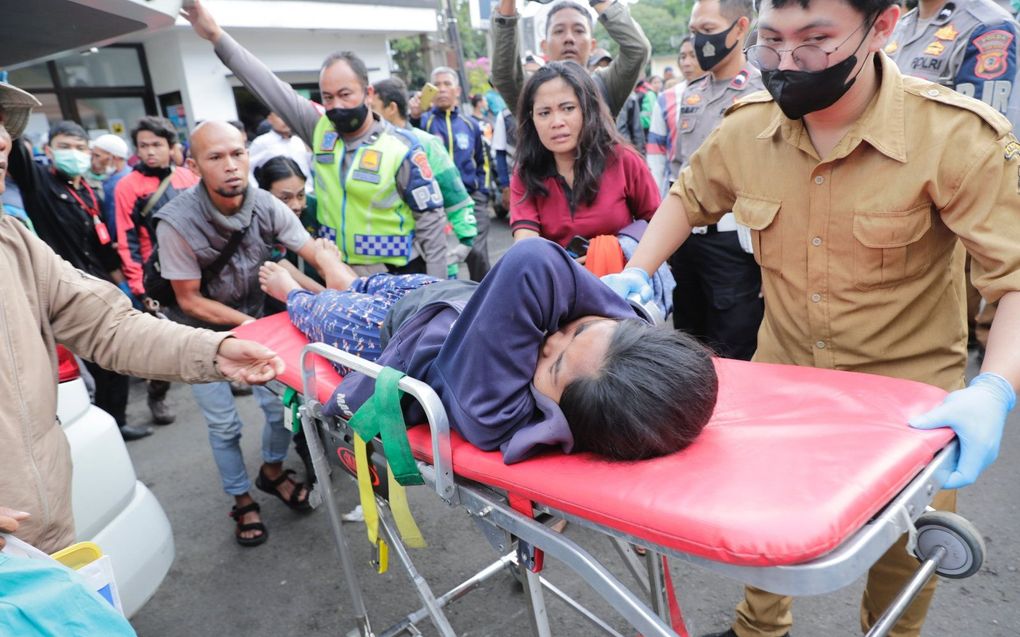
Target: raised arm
(626, 69)
(507, 72)
(299, 113)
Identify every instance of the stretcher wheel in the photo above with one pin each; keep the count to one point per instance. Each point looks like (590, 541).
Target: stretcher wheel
(965, 548)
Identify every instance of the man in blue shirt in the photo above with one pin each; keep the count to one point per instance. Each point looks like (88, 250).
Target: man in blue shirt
(462, 137)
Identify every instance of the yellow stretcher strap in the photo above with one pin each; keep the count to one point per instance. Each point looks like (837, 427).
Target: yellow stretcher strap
(381, 415)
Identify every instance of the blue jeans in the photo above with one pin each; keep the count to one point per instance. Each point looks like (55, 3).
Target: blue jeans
(217, 405)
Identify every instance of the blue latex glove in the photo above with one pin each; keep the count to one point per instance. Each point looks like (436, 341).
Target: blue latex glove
(977, 415)
(630, 283)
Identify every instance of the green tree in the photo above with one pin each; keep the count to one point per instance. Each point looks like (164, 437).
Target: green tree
(411, 63)
(473, 41)
(661, 20)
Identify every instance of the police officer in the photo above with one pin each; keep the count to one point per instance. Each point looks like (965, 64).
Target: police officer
(390, 100)
(860, 185)
(967, 45)
(970, 46)
(377, 196)
(717, 296)
(462, 137)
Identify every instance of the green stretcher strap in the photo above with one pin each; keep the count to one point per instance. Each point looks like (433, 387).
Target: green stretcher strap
(292, 400)
(381, 415)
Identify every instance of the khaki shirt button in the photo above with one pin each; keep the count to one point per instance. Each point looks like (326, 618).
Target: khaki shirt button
(819, 180)
(815, 298)
(817, 241)
(933, 92)
(820, 344)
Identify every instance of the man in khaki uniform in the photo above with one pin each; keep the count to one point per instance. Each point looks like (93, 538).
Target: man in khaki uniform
(718, 285)
(862, 188)
(45, 301)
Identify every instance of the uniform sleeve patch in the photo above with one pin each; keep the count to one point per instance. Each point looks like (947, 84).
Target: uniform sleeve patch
(422, 162)
(993, 58)
(1012, 148)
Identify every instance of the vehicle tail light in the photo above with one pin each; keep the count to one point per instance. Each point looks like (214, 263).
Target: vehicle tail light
(67, 365)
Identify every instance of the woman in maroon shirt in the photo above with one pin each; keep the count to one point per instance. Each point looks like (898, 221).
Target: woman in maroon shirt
(575, 175)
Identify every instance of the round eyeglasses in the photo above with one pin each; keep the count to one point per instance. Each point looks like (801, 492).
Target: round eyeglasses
(807, 57)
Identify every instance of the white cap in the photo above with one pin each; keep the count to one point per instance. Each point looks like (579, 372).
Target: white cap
(112, 144)
(15, 107)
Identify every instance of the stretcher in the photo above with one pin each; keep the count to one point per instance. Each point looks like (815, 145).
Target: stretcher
(800, 482)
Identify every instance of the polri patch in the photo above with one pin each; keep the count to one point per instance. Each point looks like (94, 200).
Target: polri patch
(992, 49)
(422, 162)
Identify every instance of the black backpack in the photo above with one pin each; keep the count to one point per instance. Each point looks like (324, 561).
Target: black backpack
(161, 290)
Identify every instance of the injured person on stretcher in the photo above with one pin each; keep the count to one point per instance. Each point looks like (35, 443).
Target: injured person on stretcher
(540, 354)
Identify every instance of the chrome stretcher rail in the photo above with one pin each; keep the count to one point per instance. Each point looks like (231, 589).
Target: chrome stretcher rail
(827, 573)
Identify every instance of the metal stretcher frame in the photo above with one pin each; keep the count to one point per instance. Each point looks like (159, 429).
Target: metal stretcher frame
(505, 528)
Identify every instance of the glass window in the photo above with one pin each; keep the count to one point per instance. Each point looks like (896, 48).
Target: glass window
(111, 66)
(115, 115)
(42, 118)
(31, 77)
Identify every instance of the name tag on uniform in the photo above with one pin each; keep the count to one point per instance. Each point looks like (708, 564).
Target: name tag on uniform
(324, 158)
(361, 175)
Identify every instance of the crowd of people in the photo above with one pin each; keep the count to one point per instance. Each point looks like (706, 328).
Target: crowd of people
(780, 196)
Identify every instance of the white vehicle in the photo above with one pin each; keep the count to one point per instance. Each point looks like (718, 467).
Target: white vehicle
(111, 507)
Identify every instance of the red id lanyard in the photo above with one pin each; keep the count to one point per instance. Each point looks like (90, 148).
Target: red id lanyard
(102, 233)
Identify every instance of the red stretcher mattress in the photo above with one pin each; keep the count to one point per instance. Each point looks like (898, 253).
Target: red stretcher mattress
(794, 461)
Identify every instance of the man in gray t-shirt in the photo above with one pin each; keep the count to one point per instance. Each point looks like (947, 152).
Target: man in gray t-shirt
(192, 231)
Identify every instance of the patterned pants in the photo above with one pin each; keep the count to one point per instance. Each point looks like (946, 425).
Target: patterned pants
(352, 319)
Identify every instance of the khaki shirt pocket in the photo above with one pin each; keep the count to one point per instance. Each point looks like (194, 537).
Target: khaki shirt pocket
(759, 215)
(891, 247)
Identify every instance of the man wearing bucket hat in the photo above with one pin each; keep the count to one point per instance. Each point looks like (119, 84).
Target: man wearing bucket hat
(46, 301)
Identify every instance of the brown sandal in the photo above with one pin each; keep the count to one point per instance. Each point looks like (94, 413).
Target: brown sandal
(239, 512)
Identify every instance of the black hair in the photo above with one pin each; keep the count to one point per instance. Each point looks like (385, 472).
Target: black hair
(597, 140)
(653, 395)
(277, 168)
(158, 126)
(733, 10)
(392, 90)
(351, 58)
(477, 99)
(567, 4)
(68, 128)
(867, 8)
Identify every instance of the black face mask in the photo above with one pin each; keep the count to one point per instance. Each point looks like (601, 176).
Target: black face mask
(711, 49)
(348, 120)
(801, 92)
(160, 172)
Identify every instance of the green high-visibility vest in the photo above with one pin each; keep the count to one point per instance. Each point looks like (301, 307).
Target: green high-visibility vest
(362, 210)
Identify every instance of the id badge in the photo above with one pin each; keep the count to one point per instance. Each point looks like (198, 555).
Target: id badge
(102, 233)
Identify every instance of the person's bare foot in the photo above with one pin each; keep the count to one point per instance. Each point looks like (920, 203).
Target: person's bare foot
(339, 275)
(276, 282)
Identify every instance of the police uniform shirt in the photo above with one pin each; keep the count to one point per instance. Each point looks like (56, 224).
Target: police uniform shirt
(861, 254)
(702, 105)
(969, 45)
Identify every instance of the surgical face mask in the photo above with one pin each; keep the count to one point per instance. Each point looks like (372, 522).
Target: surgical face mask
(71, 162)
(348, 120)
(711, 49)
(801, 92)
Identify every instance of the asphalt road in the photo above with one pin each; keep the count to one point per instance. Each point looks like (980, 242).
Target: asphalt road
(292, 585)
